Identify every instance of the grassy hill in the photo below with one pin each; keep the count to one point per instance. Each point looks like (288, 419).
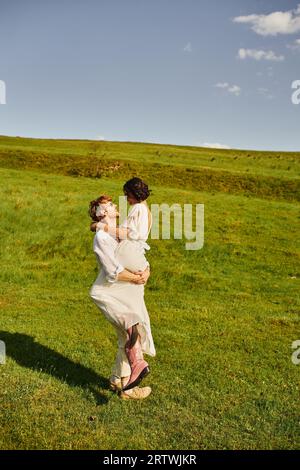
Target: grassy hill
(223, 318)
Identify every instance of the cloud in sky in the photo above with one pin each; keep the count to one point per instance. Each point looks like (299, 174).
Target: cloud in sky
(214, 145)
(188, 47)
(268, 72)
(295, 45)
(99, 137)
(277, 22)
(233, 89)
(259, 55)
(265, 92)
(222, 85)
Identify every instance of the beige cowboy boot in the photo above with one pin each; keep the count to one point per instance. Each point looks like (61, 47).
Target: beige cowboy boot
(136, 393)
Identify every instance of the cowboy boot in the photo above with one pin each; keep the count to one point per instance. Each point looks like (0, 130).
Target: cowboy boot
(139, 367)
(136, 393)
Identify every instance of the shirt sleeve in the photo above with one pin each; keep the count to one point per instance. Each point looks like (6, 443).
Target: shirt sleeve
(100, 226)
(137, 222)
(106, 256)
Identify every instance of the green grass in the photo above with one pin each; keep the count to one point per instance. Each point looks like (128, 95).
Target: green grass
(223, 318)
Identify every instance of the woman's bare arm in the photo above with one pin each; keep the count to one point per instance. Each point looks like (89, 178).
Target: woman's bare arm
(116, 232)
(93, 226)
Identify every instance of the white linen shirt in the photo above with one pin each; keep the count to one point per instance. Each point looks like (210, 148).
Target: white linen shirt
(104, 247)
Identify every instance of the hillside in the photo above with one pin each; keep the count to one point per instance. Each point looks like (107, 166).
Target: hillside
(223, 317)
(262, 174)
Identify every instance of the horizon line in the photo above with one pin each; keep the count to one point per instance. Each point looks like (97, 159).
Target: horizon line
(150, 143)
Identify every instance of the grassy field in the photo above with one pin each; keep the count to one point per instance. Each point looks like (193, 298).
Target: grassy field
(223, 317)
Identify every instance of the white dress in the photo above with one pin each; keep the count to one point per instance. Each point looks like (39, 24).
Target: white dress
(131, 251)
(123, 302)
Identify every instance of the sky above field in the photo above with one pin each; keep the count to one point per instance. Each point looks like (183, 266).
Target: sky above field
(187, 72)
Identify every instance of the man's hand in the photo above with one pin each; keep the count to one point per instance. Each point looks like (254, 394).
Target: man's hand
(138, 279)
(144, 275)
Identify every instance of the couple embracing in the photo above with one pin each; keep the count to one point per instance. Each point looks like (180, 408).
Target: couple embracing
(119, 288)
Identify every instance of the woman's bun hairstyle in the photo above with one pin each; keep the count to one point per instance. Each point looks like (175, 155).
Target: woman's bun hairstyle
(138, 188)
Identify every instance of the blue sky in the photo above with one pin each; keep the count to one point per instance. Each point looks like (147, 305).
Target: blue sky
(186, 72)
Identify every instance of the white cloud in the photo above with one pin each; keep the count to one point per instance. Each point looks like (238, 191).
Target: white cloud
(222, 85)
(99, 137)
(259, 55)
(265, 92)
(295, 45)
(278, 22)
(268, 72)
(214, 146)
(234, 89)
(188, 47)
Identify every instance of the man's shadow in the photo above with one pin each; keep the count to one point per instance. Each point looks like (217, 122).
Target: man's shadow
(28, 353)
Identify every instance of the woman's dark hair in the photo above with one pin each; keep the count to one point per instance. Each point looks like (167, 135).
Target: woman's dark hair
(94, 205)
(138, 188)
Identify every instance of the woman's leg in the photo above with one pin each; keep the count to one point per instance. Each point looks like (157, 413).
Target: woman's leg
(122, 371)
(139, 367)
(133, 336)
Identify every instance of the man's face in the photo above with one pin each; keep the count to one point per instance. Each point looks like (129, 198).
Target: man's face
(110, 209)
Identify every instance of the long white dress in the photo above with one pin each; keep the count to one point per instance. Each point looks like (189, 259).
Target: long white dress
(123, 302)
(131, 251)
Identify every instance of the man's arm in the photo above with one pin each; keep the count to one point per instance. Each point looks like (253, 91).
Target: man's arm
(114, 270)
(144, 274)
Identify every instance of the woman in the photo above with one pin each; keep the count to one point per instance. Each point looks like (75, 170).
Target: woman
(119, 293)
(135, 229)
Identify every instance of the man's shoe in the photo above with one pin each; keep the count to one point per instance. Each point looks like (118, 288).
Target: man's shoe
(136, 393)
(115, 383)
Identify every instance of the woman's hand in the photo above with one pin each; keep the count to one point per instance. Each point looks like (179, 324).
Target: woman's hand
(93, 226)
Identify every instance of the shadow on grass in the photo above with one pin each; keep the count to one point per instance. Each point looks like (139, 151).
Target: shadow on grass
(28, 353)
